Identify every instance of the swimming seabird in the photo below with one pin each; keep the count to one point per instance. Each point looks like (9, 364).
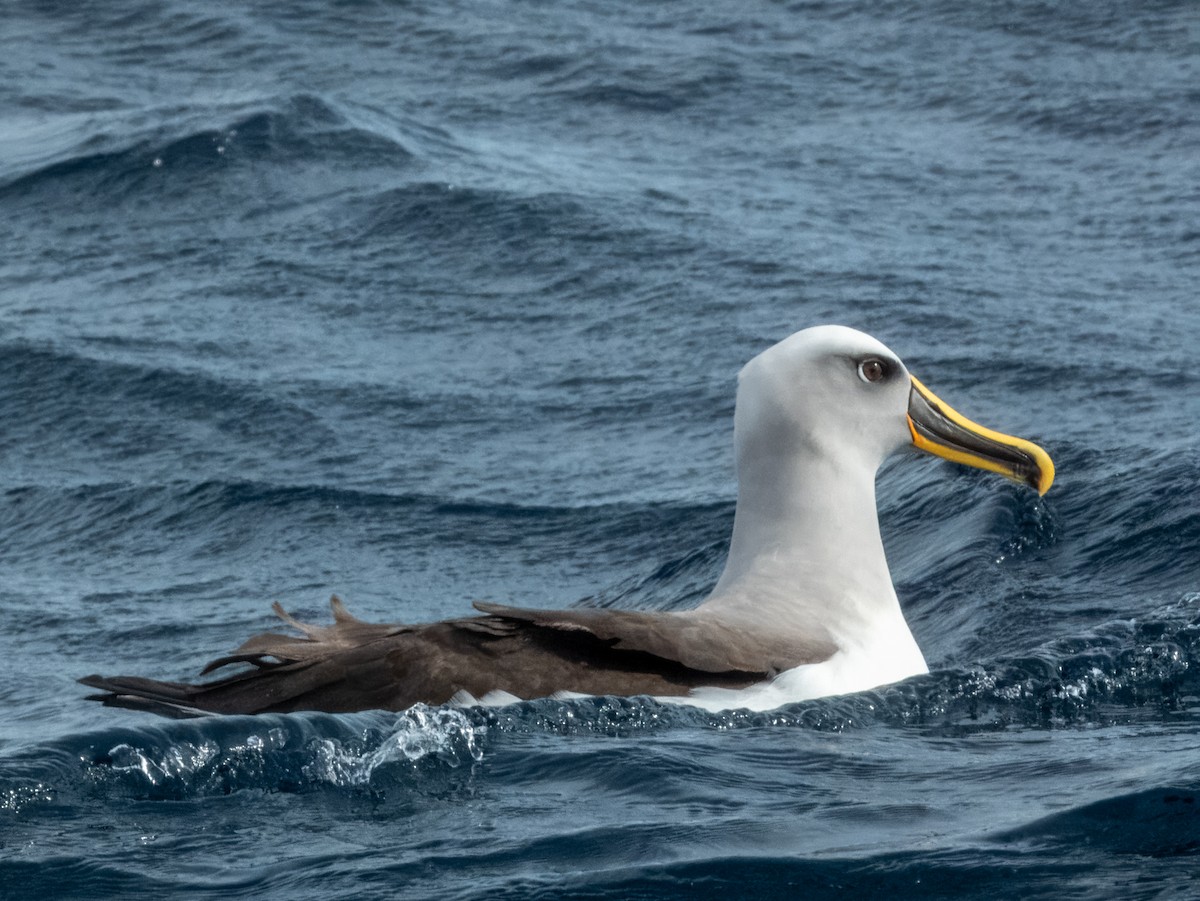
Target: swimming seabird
(805, 606)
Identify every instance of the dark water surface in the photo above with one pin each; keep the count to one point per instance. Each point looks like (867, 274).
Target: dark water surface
(426, 303)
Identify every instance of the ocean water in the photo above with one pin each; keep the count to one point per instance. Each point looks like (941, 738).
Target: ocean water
(424, 303)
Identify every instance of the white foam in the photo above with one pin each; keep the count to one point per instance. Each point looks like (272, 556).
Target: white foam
(419, 732)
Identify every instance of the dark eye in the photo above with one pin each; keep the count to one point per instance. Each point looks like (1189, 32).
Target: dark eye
(872, 370)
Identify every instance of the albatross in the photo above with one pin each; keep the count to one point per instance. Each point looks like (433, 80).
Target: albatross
(804, 608)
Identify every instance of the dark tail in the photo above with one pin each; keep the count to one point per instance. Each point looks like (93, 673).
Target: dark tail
(173, 699)
(270, 687)
(289, 673)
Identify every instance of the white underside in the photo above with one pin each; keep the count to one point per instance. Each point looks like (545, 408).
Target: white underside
(843, 673)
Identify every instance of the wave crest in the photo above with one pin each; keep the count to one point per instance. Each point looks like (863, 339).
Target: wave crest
(285, 754)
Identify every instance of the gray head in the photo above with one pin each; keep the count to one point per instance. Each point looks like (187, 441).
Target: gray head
(827, 392)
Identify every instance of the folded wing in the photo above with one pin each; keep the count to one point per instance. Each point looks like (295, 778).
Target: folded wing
(355, 665)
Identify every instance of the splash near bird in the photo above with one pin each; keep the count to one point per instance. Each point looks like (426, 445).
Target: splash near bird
(804, 608)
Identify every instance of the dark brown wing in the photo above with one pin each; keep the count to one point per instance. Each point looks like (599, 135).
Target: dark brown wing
(354, 665)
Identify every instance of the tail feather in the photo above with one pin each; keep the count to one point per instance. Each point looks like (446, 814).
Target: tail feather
(287, 669)
(135, 693)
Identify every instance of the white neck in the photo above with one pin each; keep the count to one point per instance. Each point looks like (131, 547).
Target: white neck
(806, 542)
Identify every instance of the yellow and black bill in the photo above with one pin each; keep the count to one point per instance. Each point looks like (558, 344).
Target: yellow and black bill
(938, 429)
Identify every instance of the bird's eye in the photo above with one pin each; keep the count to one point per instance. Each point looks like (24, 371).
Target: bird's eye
(872, 370)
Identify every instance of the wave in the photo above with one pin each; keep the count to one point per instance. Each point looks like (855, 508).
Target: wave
(47, 388)
(246, 520)
(1115, 119)
(1098, 26)
(1163, 821)
(986, 872)
(437, 211)
(524, 242)
(216, 756)
(177, 157)
(224, 496)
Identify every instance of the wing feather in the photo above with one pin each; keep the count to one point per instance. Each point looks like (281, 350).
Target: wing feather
(706, 645)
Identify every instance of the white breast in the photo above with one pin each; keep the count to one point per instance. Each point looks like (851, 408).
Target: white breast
(887, 654)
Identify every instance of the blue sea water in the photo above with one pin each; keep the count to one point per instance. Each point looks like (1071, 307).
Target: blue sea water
(425, 303)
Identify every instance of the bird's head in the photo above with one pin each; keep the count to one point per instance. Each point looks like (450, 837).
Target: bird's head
(834, 393)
